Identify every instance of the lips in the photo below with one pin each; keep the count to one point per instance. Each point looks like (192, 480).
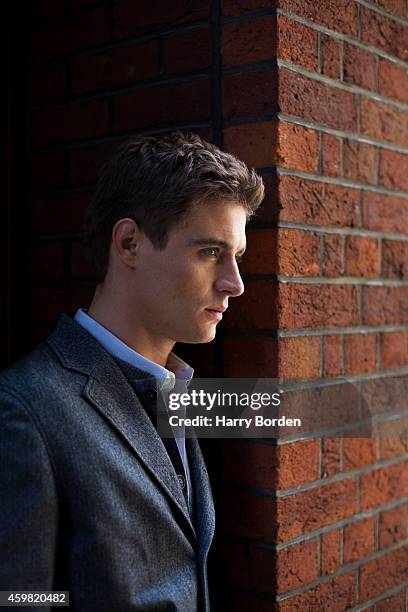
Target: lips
(221, 309)
(216, 313)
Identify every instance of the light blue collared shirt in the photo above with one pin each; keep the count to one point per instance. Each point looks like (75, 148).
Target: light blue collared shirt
(176, 369)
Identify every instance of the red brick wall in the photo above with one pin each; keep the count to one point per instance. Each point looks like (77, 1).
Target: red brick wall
(321, 523)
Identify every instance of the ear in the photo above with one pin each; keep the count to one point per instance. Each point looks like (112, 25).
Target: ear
(126, 238)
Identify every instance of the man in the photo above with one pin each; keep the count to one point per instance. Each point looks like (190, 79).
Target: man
(93, 501)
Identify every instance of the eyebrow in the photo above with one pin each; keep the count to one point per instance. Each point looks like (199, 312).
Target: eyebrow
(215, 242)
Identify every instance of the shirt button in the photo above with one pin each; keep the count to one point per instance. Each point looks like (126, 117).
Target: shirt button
(150, 395)
(182, 481)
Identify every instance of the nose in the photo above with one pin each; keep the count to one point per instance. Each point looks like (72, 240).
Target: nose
(230, 281)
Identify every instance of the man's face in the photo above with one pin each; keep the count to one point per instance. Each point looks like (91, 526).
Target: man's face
(182, 290)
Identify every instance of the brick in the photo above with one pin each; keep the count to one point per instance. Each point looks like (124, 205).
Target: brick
(187, 51)
(249, 41)
(383, 121)
(256, 308)
(394, 349)
(359, 449)
(330, 551)
(359, 161)
(396, 7)
(395, 259)
(315, 203)
(269, 466)
(396, 603)
(361, 256)
(81, 266)
(337, 15)
(163, 105)
(330, 155)
(393, 80)
(340, 592)
(47, 303)
(69, 122)
(332, 356)
(304, 512)
(263, 352)
(120, 66)
(297, 147)
(297, 252)
(385, 306)
(323, 408)
(248, 515)
(130, 19)
(48, 170)
(86, 162)
(48, 84)
(59, 214)
(317, 306)
(394, 169)
(250, 93)
(299, 358)
(313, 101)
(261, 255)
(393, 438)
(384, 485)
(262, 569)
(269, 211)
(76, 32)
(393, 526)
(253, 143)
(297, 43)
(359, 539)
(330, 56)
(47, 261)
(383, 573)
(384, 395)
(297, 463)
(331, 456)
(333, 250)
(296, 565)
(360, 353)
(384, 33)
(385, 213)
(359, 67)
(233, 8)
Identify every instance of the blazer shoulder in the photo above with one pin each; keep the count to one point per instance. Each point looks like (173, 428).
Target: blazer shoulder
(33, 375)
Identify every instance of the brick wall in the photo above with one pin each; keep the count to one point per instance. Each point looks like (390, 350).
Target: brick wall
(320, 523)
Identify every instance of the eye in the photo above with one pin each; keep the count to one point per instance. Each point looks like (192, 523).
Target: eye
(239, 258)
(210, 252)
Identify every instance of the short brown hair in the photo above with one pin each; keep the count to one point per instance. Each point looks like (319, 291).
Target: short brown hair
(156, 181)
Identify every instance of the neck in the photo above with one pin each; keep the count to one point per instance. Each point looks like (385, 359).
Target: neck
(121, 321)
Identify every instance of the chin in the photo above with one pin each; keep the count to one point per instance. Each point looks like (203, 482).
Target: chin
(201, 338)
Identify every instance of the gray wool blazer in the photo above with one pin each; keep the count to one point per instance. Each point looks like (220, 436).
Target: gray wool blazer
(89, 500)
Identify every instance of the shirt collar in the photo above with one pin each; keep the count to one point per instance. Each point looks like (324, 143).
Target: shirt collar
(176, 368)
